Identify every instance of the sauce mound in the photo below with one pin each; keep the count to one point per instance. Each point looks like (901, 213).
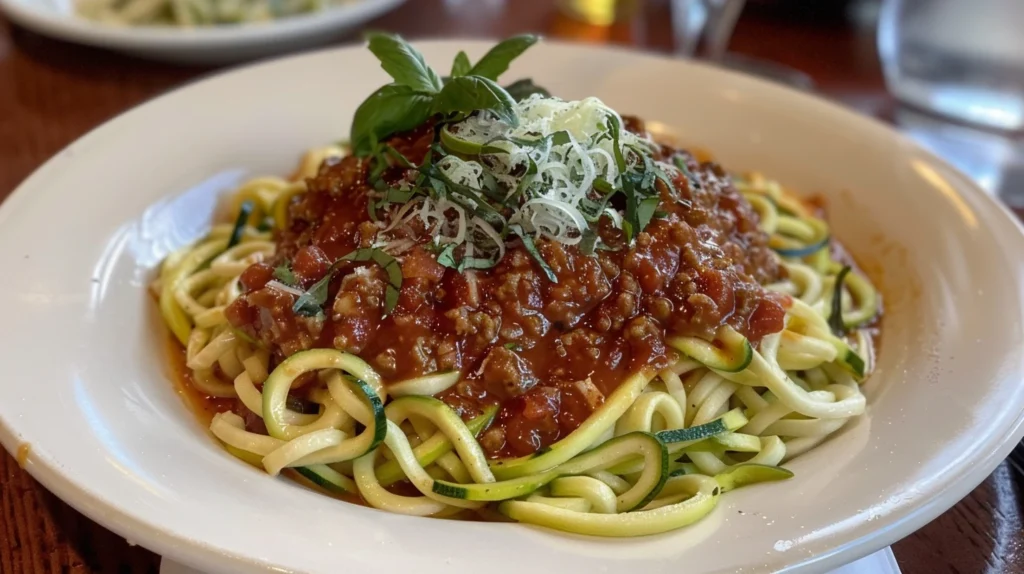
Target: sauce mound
(547, 352)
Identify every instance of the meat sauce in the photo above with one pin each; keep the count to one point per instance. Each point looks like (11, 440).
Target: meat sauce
(547, 352)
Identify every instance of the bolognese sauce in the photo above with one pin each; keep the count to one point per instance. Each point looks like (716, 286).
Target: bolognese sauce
(546, 351)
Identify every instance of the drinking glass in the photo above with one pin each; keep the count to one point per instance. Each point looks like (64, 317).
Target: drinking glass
(956, 58)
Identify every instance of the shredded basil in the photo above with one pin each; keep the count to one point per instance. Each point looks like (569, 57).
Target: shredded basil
(531, 248)
(680, 163)
(284, 274)
(311, 303)
(446, 257)
(588, 244)
(390, 266)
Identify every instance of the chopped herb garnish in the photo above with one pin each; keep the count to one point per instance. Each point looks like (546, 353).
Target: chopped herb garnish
(446, 257)
(390, 266)
(284, 274)
(680, 163)
(531, 248)
(505, 177)
(588, 244)
(835, 317)
(513, 346)
(311, 303)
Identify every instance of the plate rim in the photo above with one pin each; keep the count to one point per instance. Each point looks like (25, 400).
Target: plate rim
(80, 30)
(194, 552)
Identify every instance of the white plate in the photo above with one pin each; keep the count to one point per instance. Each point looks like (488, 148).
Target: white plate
(881, 562)
(211, 45)
(85, 381)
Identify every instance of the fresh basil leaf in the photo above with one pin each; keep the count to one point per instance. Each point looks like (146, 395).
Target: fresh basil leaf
(522, 89)
(461, 65)
(391, 109)
(472, 93)
(284, 274)
(404, 63)
(835, 316)
(496, 60)
(531, 248)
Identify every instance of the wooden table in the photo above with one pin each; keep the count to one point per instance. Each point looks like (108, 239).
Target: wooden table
(52, 92)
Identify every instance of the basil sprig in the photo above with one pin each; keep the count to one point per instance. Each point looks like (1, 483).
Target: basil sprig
(418, 92)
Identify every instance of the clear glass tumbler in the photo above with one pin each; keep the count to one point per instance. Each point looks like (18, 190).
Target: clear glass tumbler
(963, 59)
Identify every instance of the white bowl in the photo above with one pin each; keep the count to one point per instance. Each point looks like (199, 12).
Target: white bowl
(209, 45)
(86, 383)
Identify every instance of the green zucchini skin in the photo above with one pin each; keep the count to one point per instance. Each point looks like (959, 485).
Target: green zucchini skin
(730, 352)
(746, 474)
(328, 479)
(391, 472)
(599, 458)
(728, 422)
(847, 358)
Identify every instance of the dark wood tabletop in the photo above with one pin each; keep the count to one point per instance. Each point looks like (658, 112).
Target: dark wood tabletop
(52, 92)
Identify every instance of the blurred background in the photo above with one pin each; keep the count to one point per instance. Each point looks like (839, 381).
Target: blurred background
(947, 73)
(950, 73)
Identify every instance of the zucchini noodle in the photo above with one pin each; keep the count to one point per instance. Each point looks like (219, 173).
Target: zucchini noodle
(196, 13)
(655, 456)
